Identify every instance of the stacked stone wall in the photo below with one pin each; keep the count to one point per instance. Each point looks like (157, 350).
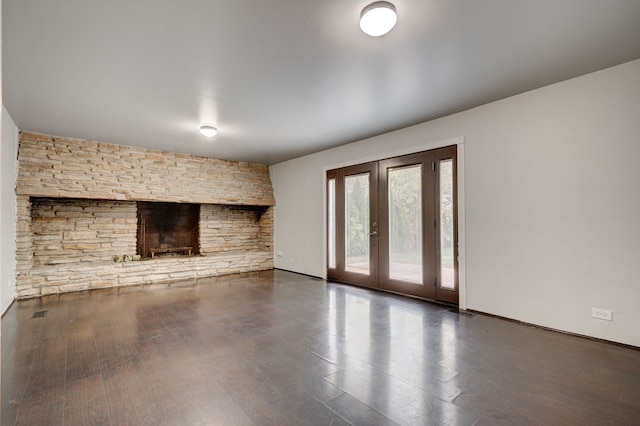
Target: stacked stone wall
(68, 231)
(266, 229)
(24, 242)
(51, 166)
(232, 228)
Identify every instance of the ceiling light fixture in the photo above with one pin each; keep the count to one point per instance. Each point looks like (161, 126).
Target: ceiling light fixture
(208, 131)
(378, 18)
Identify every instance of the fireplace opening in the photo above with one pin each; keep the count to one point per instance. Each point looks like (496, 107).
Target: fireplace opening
(167, 229)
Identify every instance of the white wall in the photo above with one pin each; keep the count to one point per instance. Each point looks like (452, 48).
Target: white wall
(8, 154)
(552, 202)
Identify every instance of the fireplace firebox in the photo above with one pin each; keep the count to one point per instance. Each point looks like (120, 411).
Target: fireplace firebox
(167, 229)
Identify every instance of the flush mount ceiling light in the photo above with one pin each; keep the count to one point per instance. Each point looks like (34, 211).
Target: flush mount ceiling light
(208, 131)
(378, 18)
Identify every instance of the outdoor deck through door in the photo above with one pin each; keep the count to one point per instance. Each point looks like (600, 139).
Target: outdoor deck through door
(392, 225)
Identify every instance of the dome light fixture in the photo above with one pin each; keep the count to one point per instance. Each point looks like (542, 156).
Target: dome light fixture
(378, 18)
(208, 131)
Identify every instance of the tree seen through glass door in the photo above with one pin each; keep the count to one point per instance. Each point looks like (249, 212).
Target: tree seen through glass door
(357, 223)
(405, 223)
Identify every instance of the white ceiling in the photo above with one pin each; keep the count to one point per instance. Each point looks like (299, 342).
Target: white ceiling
(283, 78)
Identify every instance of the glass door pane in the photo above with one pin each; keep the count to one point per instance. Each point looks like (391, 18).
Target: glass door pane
(408, 262)
(447, 240)
(331, 222)
(356, 197)
(405, 223)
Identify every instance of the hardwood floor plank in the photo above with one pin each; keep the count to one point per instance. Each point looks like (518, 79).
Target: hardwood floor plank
(357, 412)
(82, 357)
(15, 373)
(129, 395)
(49, 367)
(45, 407)
(86, 402)
(43, 399)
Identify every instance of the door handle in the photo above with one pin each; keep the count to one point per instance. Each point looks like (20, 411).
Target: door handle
(373, 234)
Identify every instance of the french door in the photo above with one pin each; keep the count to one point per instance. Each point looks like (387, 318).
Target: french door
(392, 225)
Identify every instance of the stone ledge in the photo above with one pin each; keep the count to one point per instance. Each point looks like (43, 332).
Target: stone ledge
(45, 280)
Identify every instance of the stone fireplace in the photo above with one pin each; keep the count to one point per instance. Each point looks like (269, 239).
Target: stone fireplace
(96, 215)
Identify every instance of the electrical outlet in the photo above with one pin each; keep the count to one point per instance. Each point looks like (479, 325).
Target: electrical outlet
(602, 314)
(279, 253)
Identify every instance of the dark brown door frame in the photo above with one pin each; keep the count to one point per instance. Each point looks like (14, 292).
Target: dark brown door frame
(339, 273)
(444, 294)
(379, 277)
(428, 287)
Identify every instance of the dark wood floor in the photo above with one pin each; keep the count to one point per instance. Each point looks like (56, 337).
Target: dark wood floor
(277, 348)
